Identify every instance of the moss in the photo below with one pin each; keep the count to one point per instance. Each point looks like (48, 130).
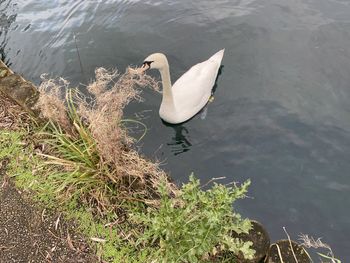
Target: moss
(21, 91)
(25, 167)
(10, 144)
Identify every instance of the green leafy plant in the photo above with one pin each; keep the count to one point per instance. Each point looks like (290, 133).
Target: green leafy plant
(195, 224)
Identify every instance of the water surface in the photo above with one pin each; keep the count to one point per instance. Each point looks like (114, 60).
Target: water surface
(281, 114)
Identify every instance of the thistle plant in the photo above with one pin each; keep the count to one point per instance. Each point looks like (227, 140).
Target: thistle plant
(195, 224)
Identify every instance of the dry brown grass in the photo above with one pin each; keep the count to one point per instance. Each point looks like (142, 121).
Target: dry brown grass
(95, 117)
(51, 101)
(12, 116)
(310, 242)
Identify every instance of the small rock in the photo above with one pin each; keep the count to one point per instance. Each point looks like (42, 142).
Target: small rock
(261, 242)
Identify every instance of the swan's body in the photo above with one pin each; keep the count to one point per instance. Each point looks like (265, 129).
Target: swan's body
(191, 92)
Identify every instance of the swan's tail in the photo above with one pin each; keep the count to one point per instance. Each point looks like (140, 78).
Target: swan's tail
(217, 57)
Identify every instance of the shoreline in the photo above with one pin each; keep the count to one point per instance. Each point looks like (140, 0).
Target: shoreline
(25, 95)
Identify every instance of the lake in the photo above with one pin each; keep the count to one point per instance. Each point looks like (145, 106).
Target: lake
(281, 113)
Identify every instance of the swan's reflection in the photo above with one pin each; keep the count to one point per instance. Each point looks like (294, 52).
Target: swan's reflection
(179, 143)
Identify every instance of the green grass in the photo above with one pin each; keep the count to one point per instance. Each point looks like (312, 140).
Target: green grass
(29, 173)
(82, 171)
(25, 167)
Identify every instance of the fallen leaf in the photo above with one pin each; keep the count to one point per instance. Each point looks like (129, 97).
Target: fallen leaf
(100, 240)
(57, 222)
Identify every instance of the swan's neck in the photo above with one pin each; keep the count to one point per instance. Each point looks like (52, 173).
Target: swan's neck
(168, 98)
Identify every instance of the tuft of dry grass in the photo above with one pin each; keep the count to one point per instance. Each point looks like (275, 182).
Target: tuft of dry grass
(51, 101)
(310, 242)
(90, 144)
(104, 114)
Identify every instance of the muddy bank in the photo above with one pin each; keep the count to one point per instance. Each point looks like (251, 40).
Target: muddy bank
(18, 89)
(29, 234)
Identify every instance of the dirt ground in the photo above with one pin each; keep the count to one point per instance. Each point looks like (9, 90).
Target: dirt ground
(29, 234)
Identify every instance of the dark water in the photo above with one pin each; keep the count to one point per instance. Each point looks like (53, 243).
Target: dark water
(281, 114)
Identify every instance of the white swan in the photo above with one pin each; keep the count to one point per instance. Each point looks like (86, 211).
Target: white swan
(191, 92)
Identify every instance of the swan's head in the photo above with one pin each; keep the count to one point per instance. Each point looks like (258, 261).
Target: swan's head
(156, 61)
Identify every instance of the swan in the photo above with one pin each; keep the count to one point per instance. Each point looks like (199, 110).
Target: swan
(191, 92)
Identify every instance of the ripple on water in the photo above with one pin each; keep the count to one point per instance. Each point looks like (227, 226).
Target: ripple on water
(60, 19)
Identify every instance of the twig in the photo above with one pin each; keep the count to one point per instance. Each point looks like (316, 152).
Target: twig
(70, 242)
(81, 65)
(43, 215)
(57, 222)
(212, 180)
(279, 253)
(291, 246)
(6, 248)
(55, 235)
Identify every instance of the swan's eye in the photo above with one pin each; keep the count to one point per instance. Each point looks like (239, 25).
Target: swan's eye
(148, 63)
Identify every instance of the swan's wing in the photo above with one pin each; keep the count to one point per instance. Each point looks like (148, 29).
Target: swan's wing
(193, 88)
